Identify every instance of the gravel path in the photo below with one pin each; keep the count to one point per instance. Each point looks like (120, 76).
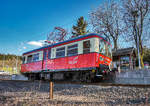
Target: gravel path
(37, 94)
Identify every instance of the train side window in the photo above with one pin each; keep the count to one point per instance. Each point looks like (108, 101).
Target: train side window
(53, 53)
(29, 59)
(60, 52)
(36, 57)
(23, 59)
(40, 56)
(72, 50)
(49, 54)
(86, 46)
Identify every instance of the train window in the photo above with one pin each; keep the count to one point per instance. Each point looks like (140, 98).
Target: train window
(86, 46)
(102, 47)
(36, 57)
(60, 52)
(107, 50)
(49, 53)
(29, 59)
(72, 50)
(23, 60)
(45, 54)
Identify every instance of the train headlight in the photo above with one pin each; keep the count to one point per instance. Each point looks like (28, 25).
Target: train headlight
(110, 66)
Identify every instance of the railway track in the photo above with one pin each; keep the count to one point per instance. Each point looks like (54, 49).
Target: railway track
(80, 83)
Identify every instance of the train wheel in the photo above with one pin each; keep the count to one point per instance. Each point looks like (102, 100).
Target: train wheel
(31, 77)
(85, 77)
(88, 77)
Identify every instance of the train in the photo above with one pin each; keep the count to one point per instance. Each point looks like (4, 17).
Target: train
(84, 58)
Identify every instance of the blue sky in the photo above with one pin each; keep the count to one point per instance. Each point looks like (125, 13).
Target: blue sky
(25, 21)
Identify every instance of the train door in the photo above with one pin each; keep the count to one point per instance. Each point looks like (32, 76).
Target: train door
(45, 57)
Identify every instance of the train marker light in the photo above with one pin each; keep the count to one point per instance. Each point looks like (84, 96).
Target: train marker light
(93, 71)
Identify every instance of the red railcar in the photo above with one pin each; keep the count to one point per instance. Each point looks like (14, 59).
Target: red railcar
(84, 58)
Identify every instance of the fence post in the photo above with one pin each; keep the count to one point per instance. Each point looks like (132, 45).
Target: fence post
(51, 84)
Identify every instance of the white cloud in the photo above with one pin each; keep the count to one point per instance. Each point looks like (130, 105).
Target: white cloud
(36, 43)
(24, 47)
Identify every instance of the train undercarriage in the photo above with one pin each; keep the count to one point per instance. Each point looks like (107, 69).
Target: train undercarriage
(75, 76)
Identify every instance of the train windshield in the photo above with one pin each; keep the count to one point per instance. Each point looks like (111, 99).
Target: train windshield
(105, 48)
(108, 50)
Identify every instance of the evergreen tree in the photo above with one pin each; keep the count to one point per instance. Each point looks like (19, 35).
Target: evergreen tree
(80, 28)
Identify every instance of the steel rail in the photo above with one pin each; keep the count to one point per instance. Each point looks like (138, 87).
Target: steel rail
(82, 83)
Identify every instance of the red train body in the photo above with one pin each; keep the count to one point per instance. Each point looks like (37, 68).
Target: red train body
(86, 57)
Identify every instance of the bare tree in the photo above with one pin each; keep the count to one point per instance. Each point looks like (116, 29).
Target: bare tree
(107, 20)
(137, 19)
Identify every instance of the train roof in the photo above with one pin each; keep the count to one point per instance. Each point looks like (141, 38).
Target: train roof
(72, 39)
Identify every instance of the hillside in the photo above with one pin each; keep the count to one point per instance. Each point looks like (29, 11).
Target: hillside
(8, 63)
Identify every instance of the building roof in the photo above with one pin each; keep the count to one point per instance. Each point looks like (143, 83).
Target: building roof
(124, 51)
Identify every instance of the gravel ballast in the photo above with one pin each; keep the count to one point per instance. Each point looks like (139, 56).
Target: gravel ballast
(37, 94)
